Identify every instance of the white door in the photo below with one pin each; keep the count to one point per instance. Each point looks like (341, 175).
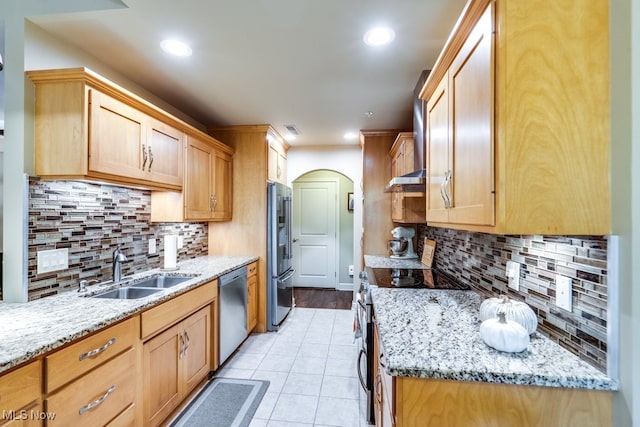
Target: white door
(315, 233)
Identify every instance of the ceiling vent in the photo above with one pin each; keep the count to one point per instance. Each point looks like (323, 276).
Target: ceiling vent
(292, 130)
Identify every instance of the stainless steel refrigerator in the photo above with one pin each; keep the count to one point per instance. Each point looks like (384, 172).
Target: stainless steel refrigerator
(279, 255)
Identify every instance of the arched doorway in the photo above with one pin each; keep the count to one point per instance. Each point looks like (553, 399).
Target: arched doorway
(323, 226)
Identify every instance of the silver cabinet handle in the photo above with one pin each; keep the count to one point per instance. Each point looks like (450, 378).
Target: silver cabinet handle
(362, 382)
(182, 349)
(99, 350)
(150, 159)
(213, 202)
(187, 342)
(95, 403)
(144, 156)
(446, 188)
(442, 189)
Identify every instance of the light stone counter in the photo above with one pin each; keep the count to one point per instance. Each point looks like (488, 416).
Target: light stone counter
(435, 334)
(31, 329)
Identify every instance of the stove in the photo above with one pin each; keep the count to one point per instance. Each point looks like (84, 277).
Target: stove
(419, 278)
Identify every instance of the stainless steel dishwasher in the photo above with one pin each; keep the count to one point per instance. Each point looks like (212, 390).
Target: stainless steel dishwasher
(233, 311)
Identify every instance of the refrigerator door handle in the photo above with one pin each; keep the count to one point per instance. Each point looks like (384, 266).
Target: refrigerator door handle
(287, 277)
(287, 213)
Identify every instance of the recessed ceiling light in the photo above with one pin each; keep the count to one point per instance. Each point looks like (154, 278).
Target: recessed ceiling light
(175, 47)
(379, 36)
(350, 136)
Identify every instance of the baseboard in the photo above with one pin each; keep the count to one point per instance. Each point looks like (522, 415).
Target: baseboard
(344, 287)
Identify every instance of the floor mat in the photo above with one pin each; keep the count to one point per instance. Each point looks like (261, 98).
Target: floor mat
(223, 402)
(323, 298)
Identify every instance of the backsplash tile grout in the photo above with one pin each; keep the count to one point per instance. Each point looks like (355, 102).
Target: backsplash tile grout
(480, 260)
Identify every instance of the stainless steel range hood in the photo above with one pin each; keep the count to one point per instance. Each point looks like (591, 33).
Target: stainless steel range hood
(414, 182)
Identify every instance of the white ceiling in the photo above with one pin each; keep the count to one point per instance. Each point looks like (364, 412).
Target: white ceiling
(281, 62)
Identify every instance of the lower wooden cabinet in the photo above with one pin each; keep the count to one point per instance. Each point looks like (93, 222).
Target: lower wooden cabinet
(20, 396)
(174, 363)
(252, 296)
(97, 397)
(417, 402)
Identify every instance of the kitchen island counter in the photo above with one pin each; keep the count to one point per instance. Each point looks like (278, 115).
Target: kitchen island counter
(435, 334)
(34, 328)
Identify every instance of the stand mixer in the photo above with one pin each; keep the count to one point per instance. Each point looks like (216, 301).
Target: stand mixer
(402, 246)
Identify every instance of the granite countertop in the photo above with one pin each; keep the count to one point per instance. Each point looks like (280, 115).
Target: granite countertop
(435, 334)
(34, 328)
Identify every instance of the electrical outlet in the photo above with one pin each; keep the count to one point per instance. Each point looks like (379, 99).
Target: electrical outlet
(564, 292)
(152, 246)
(52, 260)
(513, 273)
(180, 242)
(351, 270)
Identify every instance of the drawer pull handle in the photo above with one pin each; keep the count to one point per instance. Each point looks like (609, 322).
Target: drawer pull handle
(90, 406)
(96, 351)
(182, 347)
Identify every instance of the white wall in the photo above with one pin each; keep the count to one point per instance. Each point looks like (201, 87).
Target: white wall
(344, 159)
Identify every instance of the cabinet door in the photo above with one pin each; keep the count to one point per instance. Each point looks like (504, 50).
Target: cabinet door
(161, 372)
(196, 333)
(471, 153)
(164, 152)
(222, 187)
(252, 309)
(116, 135)
(198, 195)
(438, 151)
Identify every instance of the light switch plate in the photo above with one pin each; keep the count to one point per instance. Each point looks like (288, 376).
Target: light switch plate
(179, 241)
(564, 292)
(513, 273)
(152, 246)
(52, 260)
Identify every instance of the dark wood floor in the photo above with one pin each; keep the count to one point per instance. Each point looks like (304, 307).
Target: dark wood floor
(322, 298)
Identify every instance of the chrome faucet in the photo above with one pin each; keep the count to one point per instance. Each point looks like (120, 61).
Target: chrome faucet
(118, 259)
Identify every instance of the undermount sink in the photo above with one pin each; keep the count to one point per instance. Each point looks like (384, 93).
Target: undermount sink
(161, 282)
(127, 293)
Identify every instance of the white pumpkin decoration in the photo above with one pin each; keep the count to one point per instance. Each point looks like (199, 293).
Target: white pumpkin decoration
(504, 335)
(514, 310)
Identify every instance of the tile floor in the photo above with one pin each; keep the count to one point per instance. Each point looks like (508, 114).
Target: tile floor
(311, 364)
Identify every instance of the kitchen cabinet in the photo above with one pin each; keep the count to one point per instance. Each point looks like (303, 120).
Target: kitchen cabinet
(174, 363)
(178, 340)
(518, 121)
(376, 173)
(414, 401)
(88, 128)
(251, 145)
(252, 296)
(405, 207)
(459, 166)
(20, 396)
(208, 185)
(277, 160)
(90, 381)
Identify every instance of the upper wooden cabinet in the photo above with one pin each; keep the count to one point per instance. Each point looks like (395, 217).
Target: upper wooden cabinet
(277, 161)
(518, 120)
(208, 185)
(405, 207)
(460, 146)
(88, 128)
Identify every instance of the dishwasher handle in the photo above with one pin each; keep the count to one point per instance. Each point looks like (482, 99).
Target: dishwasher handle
(232, 276)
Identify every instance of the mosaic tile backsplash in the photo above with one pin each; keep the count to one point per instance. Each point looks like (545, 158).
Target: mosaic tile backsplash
(91, 220)
(480, 260)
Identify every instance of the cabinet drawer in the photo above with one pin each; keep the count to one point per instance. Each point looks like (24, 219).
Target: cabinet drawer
(168, 313)
(252, 269)
(126, 418)
(71, 362)
(94, 398)
(20, 387)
